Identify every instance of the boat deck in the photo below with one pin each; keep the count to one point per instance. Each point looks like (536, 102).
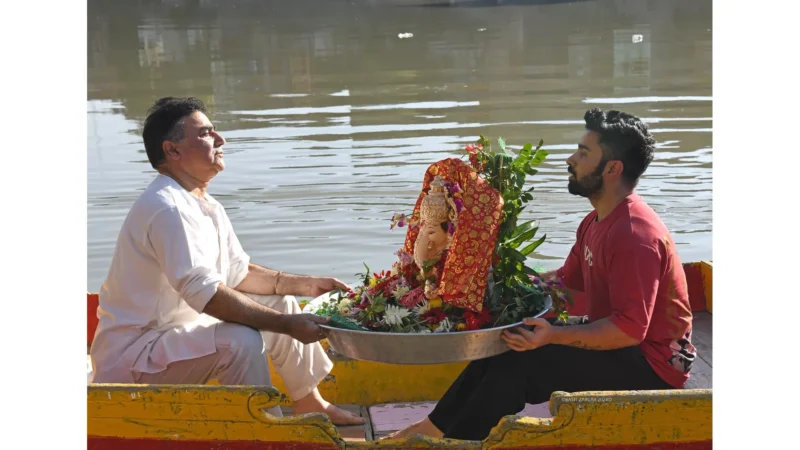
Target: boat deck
(387, 418)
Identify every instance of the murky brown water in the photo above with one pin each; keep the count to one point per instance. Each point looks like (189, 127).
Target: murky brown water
(331, 118)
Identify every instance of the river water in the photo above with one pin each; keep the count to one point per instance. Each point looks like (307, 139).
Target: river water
(333, 110)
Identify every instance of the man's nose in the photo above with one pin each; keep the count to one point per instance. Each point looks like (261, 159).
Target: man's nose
(219, 141)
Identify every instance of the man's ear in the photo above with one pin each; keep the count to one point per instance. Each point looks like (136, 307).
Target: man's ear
(615, 168)
(170, 150)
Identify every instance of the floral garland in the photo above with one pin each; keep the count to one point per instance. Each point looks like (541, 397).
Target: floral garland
(396, 300)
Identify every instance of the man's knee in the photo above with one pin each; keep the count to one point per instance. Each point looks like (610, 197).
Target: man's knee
(240, 339)
(514, 362)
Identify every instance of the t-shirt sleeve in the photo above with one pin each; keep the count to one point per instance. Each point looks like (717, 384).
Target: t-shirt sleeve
(178, 243)
(634, 273)
(239, 259)
(571, 273)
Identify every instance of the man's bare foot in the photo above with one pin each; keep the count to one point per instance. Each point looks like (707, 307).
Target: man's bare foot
(314, 402)
(424, 427)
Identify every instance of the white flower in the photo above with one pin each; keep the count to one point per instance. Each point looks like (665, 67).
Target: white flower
(395, 269)
(422, 308)
(395, 314)
(444, 326)
(344, 306)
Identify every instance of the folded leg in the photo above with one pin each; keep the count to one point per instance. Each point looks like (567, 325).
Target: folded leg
(240, 359)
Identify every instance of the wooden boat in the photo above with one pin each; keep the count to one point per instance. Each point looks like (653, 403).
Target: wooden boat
(194, 417)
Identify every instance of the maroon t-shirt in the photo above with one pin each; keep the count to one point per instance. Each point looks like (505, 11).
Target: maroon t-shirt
(630, 271)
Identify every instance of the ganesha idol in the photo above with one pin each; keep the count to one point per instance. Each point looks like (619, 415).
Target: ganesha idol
(439, 282)
(451, 239)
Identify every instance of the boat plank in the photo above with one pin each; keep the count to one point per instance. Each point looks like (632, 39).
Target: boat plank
(702, 335)
(541, 411)
(700, 376)
(368, 434)
(388, 418)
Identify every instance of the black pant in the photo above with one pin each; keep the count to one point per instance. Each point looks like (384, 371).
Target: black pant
(491, 388)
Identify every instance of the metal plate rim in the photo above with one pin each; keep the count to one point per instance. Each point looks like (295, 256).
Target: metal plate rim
(548, 305)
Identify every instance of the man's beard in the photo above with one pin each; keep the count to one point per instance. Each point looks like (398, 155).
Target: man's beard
(590, 184)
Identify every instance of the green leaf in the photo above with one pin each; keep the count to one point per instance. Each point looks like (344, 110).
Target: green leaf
(523, 157)
(523, 228)
(346, 323)
(514, 243)
(539, 157)
(514, 255)
(502, 144)
(426, 265)
(532, 246)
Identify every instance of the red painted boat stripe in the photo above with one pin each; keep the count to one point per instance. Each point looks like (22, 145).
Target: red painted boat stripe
(114, 443)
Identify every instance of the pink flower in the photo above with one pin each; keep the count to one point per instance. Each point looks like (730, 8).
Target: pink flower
(404, 257)
(451, 228)
(454, 189)
(398, 220)
(459, 205)
(413, 298)
(473, 148)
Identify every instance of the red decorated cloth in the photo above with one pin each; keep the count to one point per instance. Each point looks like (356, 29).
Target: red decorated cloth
(463, 280)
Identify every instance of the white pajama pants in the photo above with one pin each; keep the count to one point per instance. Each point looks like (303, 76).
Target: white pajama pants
(241, 357)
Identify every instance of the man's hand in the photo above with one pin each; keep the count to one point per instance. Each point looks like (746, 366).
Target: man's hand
(523, 340)
(321, 285)
(305, 328)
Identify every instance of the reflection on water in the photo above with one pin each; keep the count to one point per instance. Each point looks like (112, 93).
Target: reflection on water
(331, 118)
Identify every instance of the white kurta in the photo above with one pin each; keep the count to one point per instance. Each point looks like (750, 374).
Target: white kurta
(172, 252)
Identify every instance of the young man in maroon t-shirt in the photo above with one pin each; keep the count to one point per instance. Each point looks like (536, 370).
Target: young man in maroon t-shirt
(637, 335)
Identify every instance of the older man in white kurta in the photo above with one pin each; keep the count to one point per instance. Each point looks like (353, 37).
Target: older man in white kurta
(178, 268)
(172, 239)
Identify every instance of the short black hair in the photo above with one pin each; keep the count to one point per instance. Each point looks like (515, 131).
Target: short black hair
(623, 137)
(165, 122)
